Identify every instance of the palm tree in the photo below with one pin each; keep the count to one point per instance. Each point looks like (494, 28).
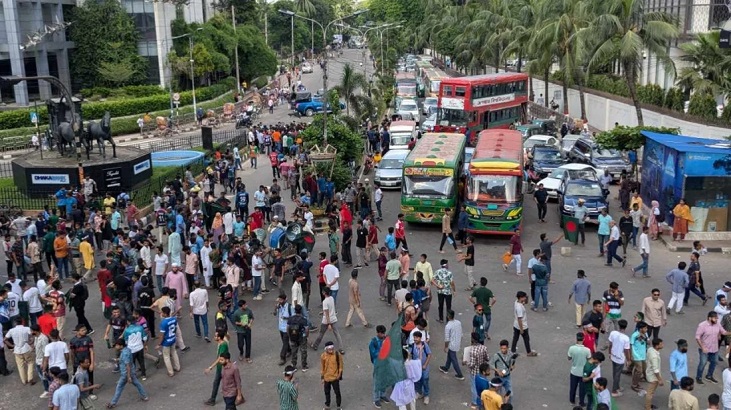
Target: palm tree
(304, 7)
(709, 65)
(624, 31)
(351, 82)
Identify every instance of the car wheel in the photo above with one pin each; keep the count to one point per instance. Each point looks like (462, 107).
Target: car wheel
(309, 112)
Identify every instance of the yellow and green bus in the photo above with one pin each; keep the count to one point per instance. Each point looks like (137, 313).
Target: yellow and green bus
(431, 175)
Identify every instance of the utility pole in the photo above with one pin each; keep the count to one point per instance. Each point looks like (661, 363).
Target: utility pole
(236, 51)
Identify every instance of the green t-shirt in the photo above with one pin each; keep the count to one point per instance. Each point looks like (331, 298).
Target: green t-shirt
(222, 348)
(243, 316)
(588, 370)
(334, 239)
(482, 297)
(579, 355)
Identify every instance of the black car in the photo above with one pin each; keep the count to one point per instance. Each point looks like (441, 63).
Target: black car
(571, 190)
(545, 159)
(587, 152)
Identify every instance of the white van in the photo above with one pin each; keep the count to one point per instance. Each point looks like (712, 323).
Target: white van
(401, 133)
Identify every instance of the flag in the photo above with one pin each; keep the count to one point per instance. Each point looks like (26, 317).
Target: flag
(389, 367)
(570, 228)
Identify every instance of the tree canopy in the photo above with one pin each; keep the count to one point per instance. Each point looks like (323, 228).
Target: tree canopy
(629, 138)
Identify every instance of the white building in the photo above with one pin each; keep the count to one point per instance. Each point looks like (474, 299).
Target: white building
(19, 18)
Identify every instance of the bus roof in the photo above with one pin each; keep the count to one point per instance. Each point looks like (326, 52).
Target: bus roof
(437, 149)
(485, 79)
(409, 75)
(498, 149)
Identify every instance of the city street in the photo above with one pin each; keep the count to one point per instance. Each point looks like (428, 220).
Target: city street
(538, 382)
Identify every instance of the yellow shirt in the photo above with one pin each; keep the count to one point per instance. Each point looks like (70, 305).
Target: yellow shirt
(635, 200)
(426, 269)
(87, 254)
(491, 400)
(108, 205)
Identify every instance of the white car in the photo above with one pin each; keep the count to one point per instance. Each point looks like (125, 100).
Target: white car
(538, 139)
(429, 123)
(389, 170)
(552, 182)
(428, 102)
(469, 152)
(306, 68)
(409, 110)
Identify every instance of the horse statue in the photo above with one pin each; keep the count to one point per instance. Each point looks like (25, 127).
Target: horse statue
(101, 131)
(65, 135)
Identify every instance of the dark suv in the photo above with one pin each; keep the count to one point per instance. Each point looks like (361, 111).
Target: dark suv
(545, 159)
(587, 152)
(571, 190)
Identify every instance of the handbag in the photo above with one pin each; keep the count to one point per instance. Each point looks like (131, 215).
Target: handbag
(507, 258)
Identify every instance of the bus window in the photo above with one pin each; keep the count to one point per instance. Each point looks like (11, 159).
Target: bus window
(447, 91)
(460, 91)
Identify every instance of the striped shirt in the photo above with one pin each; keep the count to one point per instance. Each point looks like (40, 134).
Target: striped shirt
(287, 395)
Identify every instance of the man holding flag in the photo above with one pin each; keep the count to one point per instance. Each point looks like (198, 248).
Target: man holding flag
(388, 367)
(379, 396)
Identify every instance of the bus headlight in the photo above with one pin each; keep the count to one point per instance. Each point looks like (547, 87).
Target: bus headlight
(407, 208)
(568, 208)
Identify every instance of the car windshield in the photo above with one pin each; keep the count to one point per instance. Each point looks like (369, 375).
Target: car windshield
(531, 143)
(583, 190)
(391, 163)
(546, 155)
(457, 118)
(605, 153)
(557, 173)
(428, 186)
(400, 138)
(430, 101)
(493, 188)
(407, 106)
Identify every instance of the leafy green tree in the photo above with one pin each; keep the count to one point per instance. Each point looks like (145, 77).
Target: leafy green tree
(709, 66)
(348, 143)
(350, 83)
(628, 138)
(103, 32)
(625, 30)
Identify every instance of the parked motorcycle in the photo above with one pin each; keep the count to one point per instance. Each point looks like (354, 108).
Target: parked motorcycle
(243, 121)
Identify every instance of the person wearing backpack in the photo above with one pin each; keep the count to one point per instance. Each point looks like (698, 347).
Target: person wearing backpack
(297, 332)
(78, 295)
(283, 311)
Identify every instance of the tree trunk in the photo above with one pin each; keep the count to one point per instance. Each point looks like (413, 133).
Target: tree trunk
(545, 84)
(530, 85)
(629, 72)
(565, 103)
(582, 98)
(520, 62)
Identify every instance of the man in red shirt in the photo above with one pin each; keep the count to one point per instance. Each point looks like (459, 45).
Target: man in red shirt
(273, 157)
(400, 233)
(321, 275)
(47, 321)
(515, 250)
(104, 276)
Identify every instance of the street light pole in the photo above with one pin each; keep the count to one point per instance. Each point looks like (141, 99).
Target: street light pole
(192, 74)
(381, 34)
(292, 40)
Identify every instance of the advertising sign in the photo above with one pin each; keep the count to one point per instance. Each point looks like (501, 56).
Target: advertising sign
(45, 179)
(113, 177)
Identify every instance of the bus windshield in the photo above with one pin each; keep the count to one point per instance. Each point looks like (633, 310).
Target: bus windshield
(428, 186)
(458, 118)
(407, 89)
(493, 188)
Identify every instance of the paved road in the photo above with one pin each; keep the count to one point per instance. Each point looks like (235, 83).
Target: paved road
(540, 382)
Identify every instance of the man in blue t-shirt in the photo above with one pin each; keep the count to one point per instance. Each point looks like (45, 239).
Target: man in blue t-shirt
(168, 337)
(242, 202)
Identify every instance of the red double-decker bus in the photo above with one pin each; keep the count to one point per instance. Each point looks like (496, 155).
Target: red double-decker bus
(468, 105)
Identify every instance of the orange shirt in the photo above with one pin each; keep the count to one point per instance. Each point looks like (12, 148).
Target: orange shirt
(276, 136)
(61, 247)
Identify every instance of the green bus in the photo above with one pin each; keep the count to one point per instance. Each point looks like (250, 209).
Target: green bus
(431, 177)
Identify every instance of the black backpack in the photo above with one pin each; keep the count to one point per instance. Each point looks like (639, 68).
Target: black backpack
(294, 331)
(661, 217)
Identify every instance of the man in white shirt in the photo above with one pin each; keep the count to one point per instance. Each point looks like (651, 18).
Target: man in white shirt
(13, 300)
(146, 254)
(723, 291)
(378, 197)
(644, 247)
(14, 283)
(56, 353)
(332, 274)
(33, 297)
(206, 262)
(257, 268)
(199, 309)
(619, 352)
(329, 320)
(309, 218)
(613, 244)
(721, 308)
(18, 338)
(228, 223)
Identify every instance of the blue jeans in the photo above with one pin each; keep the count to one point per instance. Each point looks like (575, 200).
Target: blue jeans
(43, 378)
(376, 393)
(612, 252)
(507, 387)
(547, 263)
(334, 294)
(204, 320)
(160, 283)
(541, 291)
(380, 213)
(635, 229)
(602, 239)
(257, 285)
(453, 361)
(123, 382)
(365, 211)
(62, 264)
(711, 359)
(643, 265)
(488, 321)
(422, 386)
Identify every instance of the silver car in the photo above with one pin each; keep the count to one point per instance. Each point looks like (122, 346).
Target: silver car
(389, 171)
(429, 123)
(428, 102)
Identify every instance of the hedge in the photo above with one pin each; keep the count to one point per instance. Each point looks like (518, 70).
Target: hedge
(130, 91)
(703, 106)
(119, 108)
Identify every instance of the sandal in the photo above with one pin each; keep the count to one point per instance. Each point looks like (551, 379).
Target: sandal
(111, 406)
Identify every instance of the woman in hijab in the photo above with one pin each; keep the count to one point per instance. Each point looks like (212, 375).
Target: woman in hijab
(652, 222)
(682, 219)
(217, 227)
